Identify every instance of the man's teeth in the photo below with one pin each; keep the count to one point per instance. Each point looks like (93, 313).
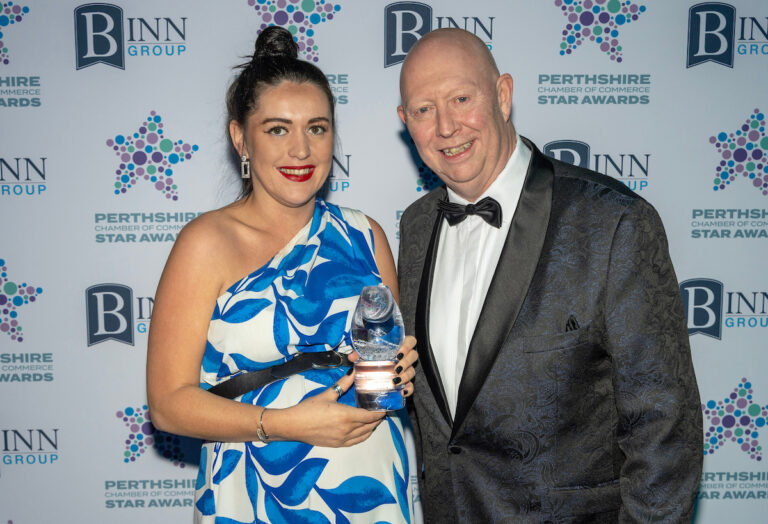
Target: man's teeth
(456, 150)
(304, 171)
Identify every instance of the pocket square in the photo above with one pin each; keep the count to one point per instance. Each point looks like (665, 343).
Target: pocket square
(572, 324)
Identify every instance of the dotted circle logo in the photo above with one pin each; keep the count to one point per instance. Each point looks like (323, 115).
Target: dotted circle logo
(299, 17)
(743, 152)
(736, 418)
(142, 436)
(12, 297)
(148, 154)
(10, 14)
(597, 21)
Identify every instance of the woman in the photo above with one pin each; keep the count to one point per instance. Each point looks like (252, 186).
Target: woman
(251, 285)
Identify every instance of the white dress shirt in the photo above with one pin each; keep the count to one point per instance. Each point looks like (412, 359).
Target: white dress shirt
(466, 260)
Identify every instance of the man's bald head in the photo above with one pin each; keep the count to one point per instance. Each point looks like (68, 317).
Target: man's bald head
(450, 40)
(456, 107)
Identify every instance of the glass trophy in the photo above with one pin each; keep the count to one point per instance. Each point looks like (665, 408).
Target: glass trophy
(377, 334)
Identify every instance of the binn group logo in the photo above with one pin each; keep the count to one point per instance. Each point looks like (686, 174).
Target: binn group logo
(148, 155)
(13, 296)
(29, 446)
(597, 21)
(103, 35)
(300, 18)
(406, 22)
(11, 14)
(743, 154)
(735, 420)
(709, 307)
(716, 34)
(631, 169)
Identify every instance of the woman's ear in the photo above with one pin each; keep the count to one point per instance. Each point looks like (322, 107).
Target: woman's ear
(237, 136)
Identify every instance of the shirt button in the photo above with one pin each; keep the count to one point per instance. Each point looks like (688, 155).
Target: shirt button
(455, 450)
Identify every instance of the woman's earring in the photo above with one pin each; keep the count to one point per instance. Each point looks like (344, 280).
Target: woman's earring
(245, 167)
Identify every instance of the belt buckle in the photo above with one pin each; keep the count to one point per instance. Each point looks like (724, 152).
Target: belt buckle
(339, 360)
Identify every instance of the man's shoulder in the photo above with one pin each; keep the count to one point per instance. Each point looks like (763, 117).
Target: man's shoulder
(574, 177)
(426, 204)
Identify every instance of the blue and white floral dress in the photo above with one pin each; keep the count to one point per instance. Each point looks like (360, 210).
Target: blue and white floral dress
(301, 300)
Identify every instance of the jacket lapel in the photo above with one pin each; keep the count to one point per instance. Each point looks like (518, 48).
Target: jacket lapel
(509, 285)
(426, 356)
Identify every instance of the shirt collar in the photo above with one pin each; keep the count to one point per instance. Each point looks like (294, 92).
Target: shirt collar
(505, 189)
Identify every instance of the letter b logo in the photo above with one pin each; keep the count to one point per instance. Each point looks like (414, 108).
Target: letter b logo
(711, 30)
(703, 303)
(109, 309)
(404, 24)
(99, 35)
(570, 151)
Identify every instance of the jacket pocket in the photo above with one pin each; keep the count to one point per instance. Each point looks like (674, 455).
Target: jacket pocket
(558, 341)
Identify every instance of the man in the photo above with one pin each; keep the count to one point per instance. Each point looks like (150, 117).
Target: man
(556, 382)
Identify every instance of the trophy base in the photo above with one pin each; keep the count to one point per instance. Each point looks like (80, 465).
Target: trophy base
(380, 400)
(374, 390)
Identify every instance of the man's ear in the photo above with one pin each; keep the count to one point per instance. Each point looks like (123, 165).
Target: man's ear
(236, 134)
(504, 88)
(401, 113)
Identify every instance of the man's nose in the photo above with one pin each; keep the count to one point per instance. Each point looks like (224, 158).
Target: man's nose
(446, 123)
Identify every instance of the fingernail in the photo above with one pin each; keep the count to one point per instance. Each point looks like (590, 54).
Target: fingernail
(351, 369)
(399, 356)
(396, 380)
(398, 369)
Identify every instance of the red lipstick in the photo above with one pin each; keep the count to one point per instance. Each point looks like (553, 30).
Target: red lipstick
(297, 173)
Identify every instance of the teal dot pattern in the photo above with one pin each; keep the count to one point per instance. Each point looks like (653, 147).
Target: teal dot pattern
(597, 21)
(299, 17)
(11, 14)
(14, 295)
(143, 436)
(736, 419)
(147, 154)
(743, 153)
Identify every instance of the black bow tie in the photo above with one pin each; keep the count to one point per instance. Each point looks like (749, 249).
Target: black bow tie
(488, 209)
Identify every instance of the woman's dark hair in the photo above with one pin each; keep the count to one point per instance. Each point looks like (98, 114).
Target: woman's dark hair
(275, 60)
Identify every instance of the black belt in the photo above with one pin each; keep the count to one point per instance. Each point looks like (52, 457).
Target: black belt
(251, 380)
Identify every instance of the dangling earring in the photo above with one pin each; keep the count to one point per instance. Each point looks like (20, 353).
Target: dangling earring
(245, 167)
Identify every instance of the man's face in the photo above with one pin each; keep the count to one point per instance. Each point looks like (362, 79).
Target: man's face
(456, 112)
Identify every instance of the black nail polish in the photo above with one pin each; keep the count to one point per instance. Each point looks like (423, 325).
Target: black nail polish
(399, 356)
(351, 369)
(398, 369)
(396, 380)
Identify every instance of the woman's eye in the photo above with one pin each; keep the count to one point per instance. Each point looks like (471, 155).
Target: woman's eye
(317, 130)
(277, 131)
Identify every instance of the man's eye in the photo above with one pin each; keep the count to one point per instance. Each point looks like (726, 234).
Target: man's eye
(422, 110)
(317, 130)
(462, 99)
(277, 131)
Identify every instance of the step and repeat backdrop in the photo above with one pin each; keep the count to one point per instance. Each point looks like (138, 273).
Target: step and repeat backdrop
(113, 125)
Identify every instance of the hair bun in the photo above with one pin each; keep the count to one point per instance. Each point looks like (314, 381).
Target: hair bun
(275, 42)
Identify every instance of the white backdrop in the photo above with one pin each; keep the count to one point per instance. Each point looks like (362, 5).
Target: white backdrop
(79, 263)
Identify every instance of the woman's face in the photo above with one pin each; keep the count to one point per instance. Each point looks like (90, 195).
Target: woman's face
(289, 141)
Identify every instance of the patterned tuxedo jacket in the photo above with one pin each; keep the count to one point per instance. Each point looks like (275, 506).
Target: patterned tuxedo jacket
(578, 401)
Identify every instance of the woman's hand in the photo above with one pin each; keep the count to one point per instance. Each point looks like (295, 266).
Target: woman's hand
(322, 421)
(406, 358)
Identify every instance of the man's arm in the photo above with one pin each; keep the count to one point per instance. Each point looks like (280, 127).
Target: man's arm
(660, 421)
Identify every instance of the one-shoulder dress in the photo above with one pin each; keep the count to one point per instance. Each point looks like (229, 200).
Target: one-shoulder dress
(301, 301)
